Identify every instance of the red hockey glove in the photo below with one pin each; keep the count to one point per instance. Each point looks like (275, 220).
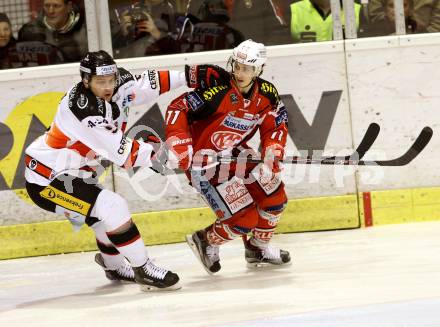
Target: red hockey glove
(205, 76)
(180, 152)
(272, 154)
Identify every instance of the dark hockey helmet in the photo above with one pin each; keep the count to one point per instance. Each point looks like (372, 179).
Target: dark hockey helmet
(97, 63)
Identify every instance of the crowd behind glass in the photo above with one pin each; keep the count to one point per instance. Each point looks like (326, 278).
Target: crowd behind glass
(57, 32)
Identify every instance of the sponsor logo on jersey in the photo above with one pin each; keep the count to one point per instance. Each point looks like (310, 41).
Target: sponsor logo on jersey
(194, 101)
(33, 164)
(123, 144)
(235, 194)
(234, 98)
(239, 124)
(248, 115)
(100, 105)
(125, 77)
(269, 88)
(82, 101)
(181, 141)
(129, 98)
(207, 190)
(65, 200)
(192, 75)
(269, 185)
(225, 140)
(282, 116)
(97, 121)
(152, 79)
(209, 93)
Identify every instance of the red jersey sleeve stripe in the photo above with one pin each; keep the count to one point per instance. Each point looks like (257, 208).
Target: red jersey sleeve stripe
(133, 155)
(164, 81)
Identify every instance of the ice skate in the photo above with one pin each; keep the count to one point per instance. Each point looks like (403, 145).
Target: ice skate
(265, 256)
(124, 273)
(153, 278)
(207, 254)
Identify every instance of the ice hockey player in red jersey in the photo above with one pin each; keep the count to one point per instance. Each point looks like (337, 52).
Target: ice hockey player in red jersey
(89, 124)
(248, 199)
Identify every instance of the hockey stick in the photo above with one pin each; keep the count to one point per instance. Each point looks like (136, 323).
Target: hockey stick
(367, 141)
(417, 147)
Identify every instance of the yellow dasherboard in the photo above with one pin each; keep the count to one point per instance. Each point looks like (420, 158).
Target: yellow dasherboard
(313, 214)
(402, 206)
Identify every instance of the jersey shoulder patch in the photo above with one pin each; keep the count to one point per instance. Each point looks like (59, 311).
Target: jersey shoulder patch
(83, 103)
(268, 90)
(204, 102)
(194, 101)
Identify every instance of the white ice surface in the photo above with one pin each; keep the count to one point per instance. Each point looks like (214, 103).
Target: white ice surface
(380, 276)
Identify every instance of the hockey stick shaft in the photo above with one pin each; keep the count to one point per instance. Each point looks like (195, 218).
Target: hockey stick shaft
(417, 147)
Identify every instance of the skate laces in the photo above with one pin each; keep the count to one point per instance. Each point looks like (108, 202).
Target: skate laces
(125, 270)
(154, 271)
(270, 252)
(212, 251)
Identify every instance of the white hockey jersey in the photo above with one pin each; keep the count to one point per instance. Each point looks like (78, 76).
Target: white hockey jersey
(86, 127)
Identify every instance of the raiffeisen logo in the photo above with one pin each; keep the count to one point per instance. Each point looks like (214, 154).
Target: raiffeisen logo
(106, 70)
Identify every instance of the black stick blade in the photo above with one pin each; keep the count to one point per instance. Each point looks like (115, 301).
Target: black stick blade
(419, 144)
(368, 140)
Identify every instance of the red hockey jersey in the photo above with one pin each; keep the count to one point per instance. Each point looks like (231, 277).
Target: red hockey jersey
(221, 119)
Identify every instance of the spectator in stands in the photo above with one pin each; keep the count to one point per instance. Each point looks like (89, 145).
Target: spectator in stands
(387, 25)
(146, 28)
(209, 30)
(61, 26)
(7, 41)
(261, 20)
(426, 14)
(311, 20)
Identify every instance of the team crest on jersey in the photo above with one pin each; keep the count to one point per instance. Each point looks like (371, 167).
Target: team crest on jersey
(225, 140)
(194, 101)
(82, 101)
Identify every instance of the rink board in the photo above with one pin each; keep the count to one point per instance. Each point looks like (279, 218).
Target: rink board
(314, 214)
(332, 90)
(171, 226)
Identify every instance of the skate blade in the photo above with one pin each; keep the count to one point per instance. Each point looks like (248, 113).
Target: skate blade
(119, 281)
(149, 288)
(193, 247)
(267, 265)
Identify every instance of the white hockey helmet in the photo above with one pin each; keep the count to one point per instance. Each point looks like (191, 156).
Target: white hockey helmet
(250, 53)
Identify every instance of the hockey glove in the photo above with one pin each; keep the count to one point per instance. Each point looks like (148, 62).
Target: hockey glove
(205, 76)
(272, 154)
(159, 156)
(180, 152)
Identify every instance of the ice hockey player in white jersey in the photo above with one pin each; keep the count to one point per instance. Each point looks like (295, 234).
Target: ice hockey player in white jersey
(90, 124)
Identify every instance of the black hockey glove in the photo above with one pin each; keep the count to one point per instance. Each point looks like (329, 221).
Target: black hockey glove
(206, 76)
